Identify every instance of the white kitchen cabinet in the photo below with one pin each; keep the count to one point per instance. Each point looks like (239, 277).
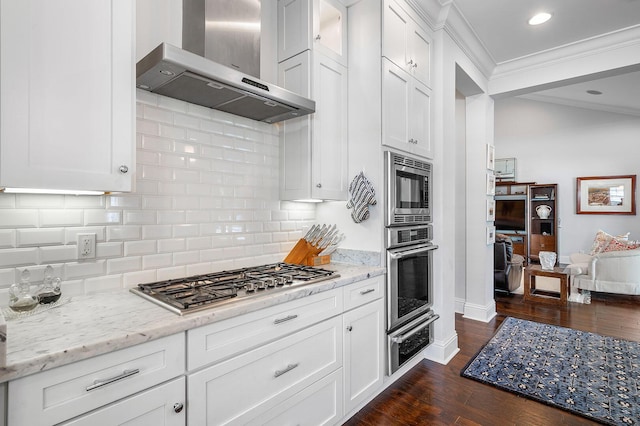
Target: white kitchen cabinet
(240, 388)
(62, 393)
(314, 148)
(406, 111)
(363, 345)
(319, 25)
(318, 404)
(67, 94)
(405, 43)
(161, 405)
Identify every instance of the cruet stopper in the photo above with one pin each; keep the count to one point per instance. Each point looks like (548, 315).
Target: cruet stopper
(20, 297)
(50, 290)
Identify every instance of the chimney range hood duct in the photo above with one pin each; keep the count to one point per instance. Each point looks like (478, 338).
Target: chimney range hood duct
(180, 74)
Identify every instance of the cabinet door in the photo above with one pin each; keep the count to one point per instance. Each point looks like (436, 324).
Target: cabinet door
(395, 37)
(363, 352)
(67, 94)
(330, 29)
(240, 388)
(396, 87)
(419, 50)
(420, 120)
(329, 155)
(295, 136)
(161, 405)
(294, 27)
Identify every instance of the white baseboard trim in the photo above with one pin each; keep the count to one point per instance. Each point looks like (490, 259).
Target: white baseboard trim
(442, 351)
(459, 305)
(480, 313)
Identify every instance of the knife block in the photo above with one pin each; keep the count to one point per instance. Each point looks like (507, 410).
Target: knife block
(304, 253)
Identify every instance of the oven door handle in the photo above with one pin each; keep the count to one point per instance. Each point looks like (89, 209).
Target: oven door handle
(420, 249)
(402, 337)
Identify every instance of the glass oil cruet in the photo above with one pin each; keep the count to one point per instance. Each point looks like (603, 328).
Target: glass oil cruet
(50, 290)
(20, 296)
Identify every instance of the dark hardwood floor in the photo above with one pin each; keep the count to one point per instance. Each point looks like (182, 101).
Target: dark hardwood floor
(435, 394)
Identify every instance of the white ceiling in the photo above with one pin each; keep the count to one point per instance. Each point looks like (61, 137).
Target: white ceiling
(501, 26)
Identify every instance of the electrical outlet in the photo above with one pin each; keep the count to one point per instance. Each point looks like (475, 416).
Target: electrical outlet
(86, 246)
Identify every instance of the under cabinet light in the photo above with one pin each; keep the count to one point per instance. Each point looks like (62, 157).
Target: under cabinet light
(49, 191)
(539, 18)
(309, 200)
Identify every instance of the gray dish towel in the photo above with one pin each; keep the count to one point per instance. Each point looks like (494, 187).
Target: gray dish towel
(361, 196)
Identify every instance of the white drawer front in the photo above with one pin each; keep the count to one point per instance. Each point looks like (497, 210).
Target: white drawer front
(156, 406)
(319, 404)
(260, 379)
(363, 292)
(65, 392)
(218, 341)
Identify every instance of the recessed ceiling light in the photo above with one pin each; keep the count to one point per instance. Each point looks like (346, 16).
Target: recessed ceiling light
(594, 92)
(540, 18)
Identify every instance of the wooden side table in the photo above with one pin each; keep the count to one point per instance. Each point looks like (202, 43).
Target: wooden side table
(533, 294)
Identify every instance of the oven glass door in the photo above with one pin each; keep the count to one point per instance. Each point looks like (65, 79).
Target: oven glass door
(409, 283)
(409, 341)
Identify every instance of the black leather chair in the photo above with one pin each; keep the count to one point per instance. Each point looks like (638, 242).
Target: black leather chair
(502, 254)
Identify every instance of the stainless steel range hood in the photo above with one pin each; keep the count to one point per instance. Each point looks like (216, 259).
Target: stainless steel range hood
(178, 73)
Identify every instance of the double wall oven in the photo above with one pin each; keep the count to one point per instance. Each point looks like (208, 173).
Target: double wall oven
(409, 256)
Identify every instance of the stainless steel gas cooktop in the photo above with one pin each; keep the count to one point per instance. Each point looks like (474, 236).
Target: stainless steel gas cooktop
(196, 293)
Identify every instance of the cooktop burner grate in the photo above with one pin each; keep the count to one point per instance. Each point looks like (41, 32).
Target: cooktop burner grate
(199, 292)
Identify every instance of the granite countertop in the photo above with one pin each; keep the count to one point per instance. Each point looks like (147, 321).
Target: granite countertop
(92, 325)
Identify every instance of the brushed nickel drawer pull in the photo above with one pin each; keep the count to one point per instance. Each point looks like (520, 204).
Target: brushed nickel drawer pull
(367, 291)
(290, 367)
(98, 383)
(285, 319)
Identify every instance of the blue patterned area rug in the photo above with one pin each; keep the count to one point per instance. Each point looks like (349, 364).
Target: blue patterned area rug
(595, 376)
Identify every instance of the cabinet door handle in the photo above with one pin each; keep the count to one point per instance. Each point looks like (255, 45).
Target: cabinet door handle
(319, 185)
(349, 327)
(318, 37)
(178, 406)
(123, 169)
(367, 291)
(102, 382)
(410, 63)
(290, 367)
(285, 319)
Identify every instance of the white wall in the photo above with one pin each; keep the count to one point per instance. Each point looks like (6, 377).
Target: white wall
(556, 144)
(206, 199)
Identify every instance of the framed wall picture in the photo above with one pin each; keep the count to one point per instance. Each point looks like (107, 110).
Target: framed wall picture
(491, 183)
(491, 210)
(491, 234)
(491, 157)
(606, 195)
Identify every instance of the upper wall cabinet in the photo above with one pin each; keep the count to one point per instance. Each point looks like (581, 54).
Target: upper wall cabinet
(320, 25)
(67, 94)
(405, 43)
(314, 148)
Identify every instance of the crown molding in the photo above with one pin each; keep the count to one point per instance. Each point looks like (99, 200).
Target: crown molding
(582, 104)
(570, 52)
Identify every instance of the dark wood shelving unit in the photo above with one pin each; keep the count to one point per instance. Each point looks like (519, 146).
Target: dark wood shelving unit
(543, 231)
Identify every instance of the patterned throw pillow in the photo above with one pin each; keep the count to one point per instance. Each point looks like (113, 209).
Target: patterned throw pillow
(603, 239)
(620, 245)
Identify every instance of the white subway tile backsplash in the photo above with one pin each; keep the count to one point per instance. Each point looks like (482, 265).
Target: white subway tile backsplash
(39, 201)
(121, 233)
(132, 279)
(171, 245)
(205, 199)
(39, 236)
(102, 217)
(18, 257)
(156, 261)
(86, 268)
(18, 218)
(105, 250)
(7, 238)
(102, 284)
(58, 254)
(66, 217)
(124, 264)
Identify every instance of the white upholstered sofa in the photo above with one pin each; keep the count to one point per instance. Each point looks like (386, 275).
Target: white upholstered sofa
(609, 272)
